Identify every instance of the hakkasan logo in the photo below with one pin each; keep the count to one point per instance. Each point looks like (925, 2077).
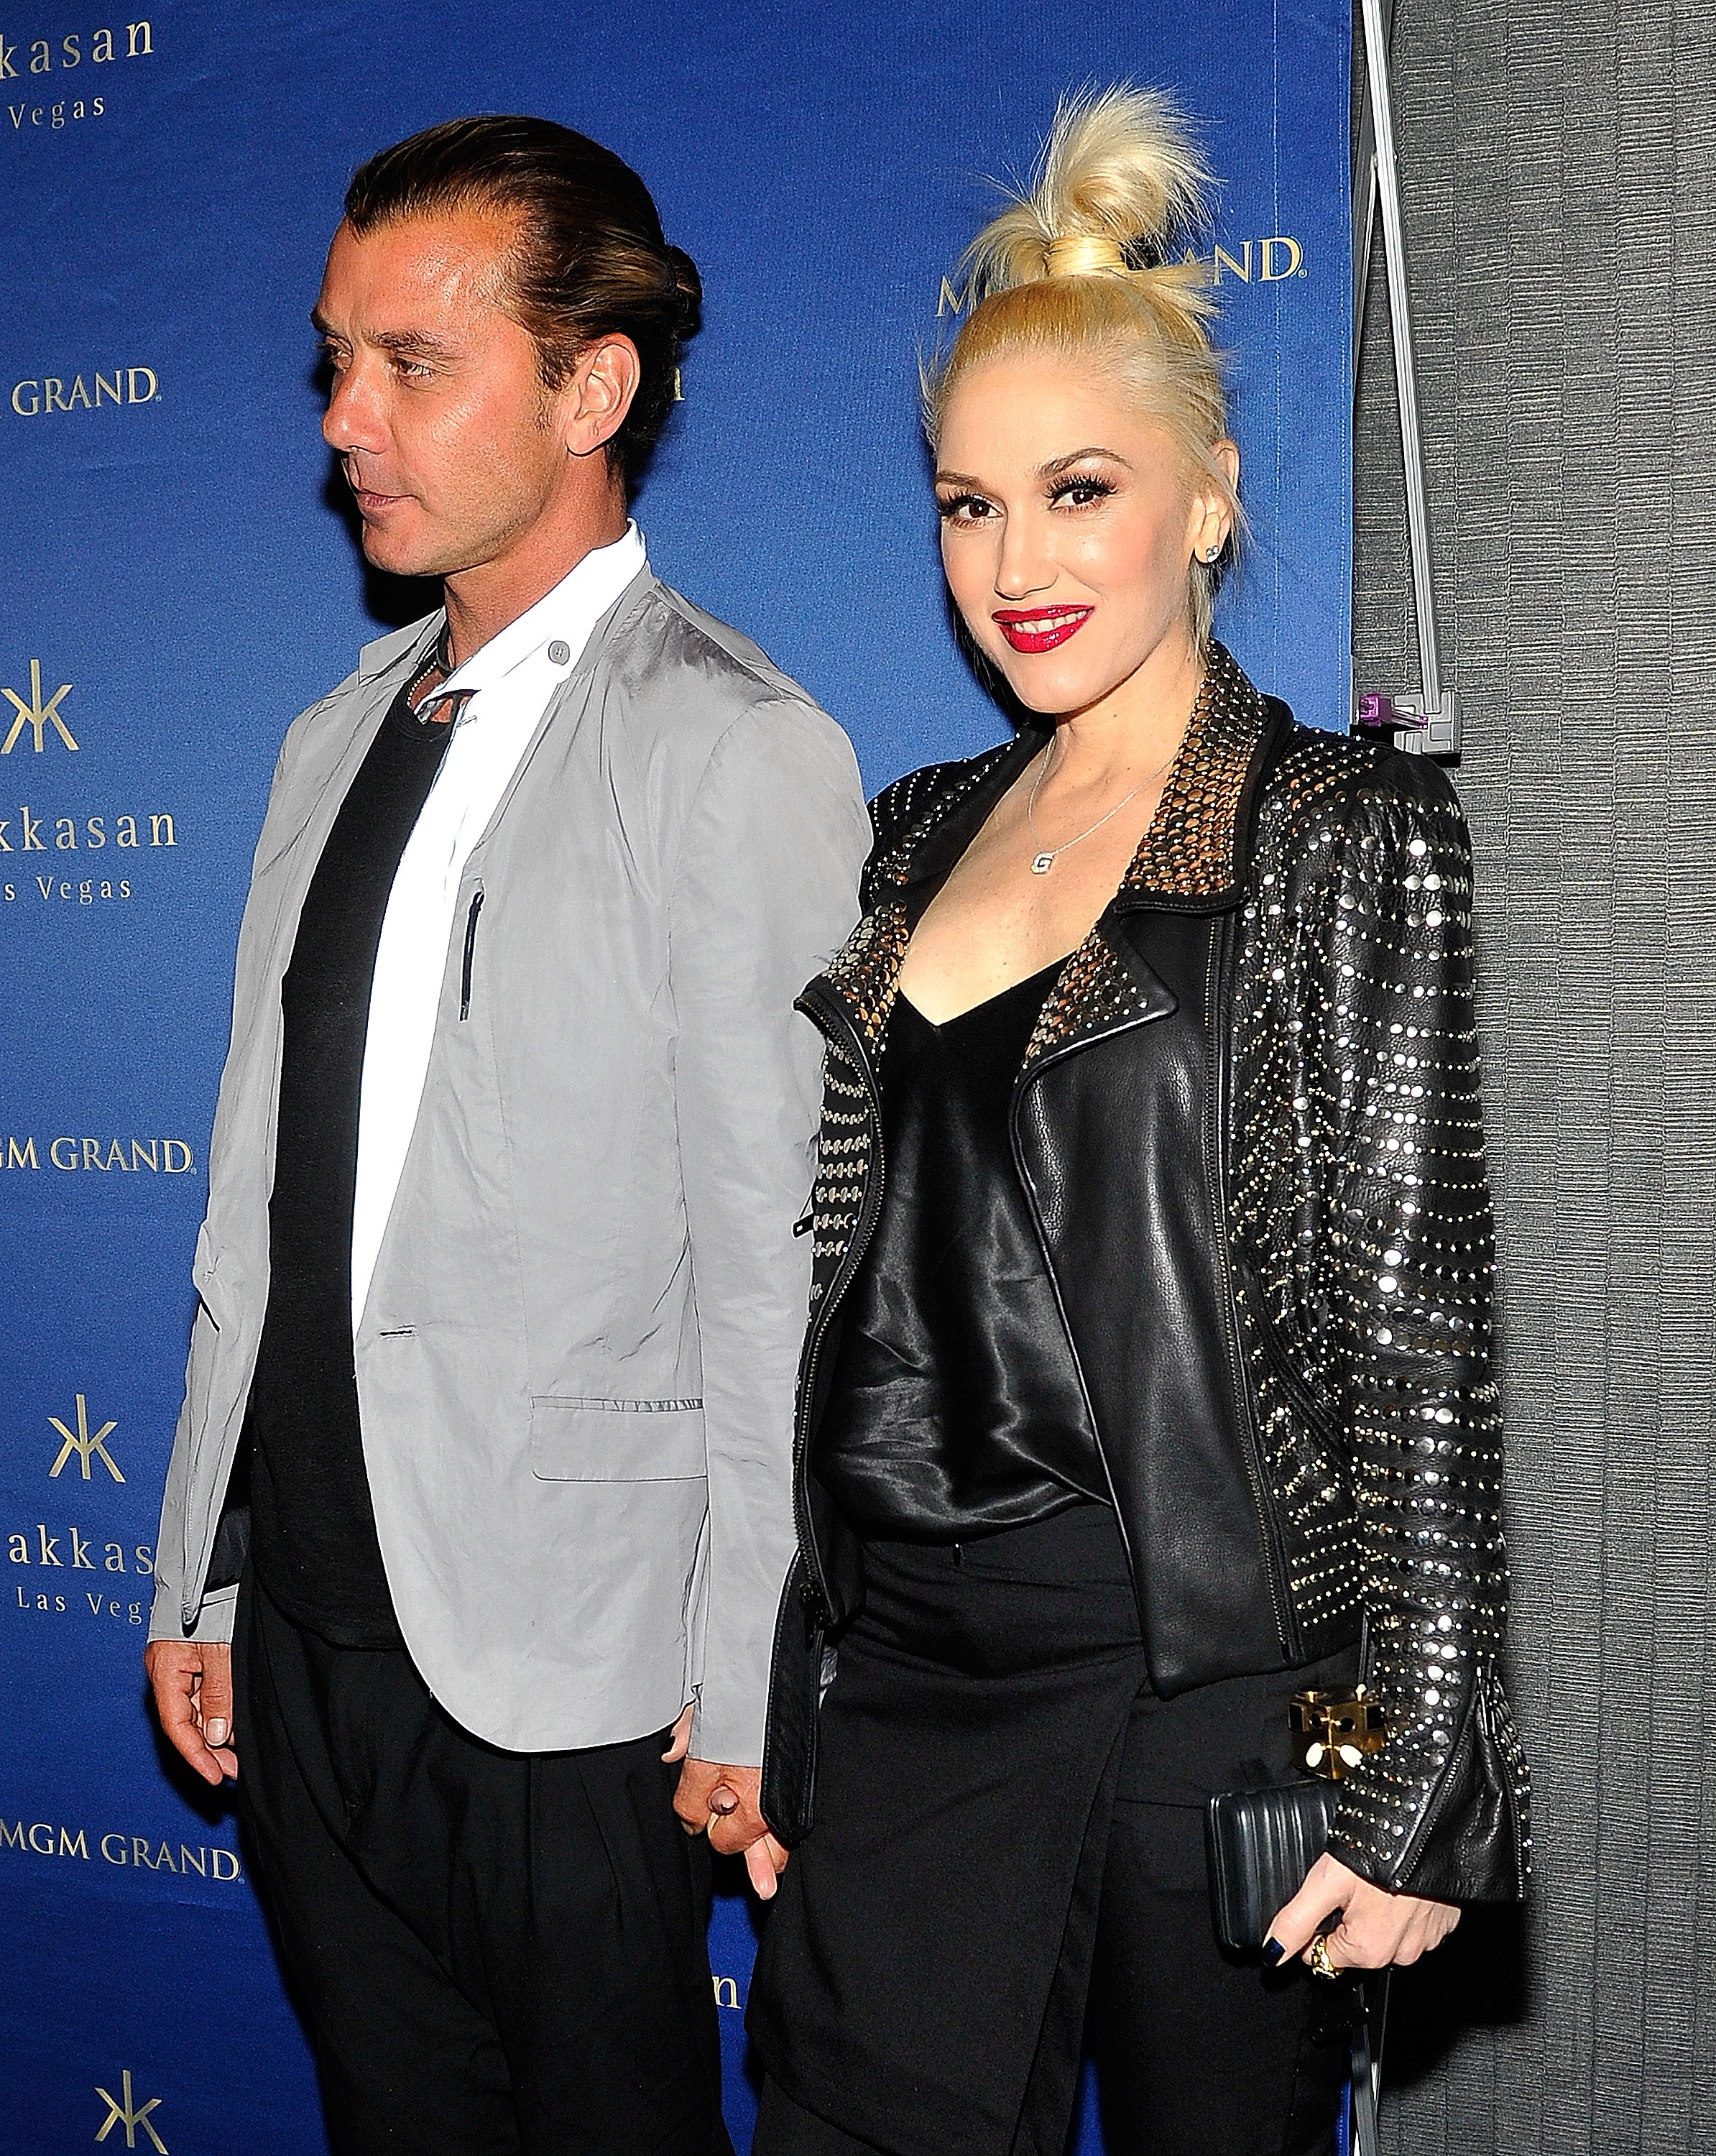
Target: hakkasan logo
(39, 715)
(1269, 261)
(131, 2111)
(54, 89)
(83, 1444)
(34, 719)
(52, 1557)
(40, 719)
(39, 396)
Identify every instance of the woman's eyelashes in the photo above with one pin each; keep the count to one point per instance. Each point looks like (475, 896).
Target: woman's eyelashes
(1077, 491)
(1082, 490)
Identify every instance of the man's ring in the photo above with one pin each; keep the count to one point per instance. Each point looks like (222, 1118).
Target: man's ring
(1318, 1959)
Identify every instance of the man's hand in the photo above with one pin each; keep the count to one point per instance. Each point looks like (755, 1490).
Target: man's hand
(1377, 1930)
(723, 1802)
(192, 1684)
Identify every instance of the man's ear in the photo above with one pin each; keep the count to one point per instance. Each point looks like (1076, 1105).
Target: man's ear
(593, 404)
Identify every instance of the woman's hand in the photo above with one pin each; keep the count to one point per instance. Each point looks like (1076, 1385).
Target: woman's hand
(1376, 1931)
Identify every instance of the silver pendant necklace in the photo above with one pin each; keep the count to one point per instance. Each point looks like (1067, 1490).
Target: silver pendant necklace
(1046, 856)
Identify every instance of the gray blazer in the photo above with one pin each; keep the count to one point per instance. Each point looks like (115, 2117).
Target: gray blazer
(576, 1367)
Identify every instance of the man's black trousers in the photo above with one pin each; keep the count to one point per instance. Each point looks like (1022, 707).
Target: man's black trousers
(498, 1953)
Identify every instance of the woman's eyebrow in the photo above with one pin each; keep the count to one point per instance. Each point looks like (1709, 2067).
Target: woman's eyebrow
(1077, 457)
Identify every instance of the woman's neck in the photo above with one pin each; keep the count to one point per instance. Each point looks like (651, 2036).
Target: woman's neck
(1136, 727)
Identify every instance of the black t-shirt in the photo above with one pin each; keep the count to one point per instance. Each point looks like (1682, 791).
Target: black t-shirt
(955, 1408)
(313, 1538)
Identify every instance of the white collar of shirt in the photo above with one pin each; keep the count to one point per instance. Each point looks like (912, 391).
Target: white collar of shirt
(556, 627)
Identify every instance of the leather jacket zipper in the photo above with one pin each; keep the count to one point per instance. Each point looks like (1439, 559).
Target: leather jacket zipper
(830, 1024)
(1026, 1080)
(476, 907)
(1268, 1528)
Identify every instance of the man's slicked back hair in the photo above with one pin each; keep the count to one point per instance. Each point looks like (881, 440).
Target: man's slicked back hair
(587, 258)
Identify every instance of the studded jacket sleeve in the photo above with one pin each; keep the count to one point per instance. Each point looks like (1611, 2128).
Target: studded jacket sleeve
(1357, 1084)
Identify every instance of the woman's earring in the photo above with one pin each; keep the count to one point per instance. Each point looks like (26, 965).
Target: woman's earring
(1212, 553)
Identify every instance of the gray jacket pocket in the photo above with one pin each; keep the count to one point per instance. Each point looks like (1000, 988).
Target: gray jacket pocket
(586, 1441)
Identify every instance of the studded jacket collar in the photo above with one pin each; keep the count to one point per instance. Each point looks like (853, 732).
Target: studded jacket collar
(1251, 1097)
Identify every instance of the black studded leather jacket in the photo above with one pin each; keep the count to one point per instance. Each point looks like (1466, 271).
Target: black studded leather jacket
(1248, 1129)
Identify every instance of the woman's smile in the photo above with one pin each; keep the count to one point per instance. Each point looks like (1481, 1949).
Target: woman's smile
(1040, 628)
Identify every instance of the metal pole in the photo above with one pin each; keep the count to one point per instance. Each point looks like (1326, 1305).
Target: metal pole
(1373, 1993)
(1363, 212)
(1388, 191)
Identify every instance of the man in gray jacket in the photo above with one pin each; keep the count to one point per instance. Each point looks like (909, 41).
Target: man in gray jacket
(483, 1468)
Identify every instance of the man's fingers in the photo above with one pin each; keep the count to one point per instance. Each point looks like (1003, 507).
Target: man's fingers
(214, 1709)
(691, 1811)
(696, 1792)
(734, 1827)
(682, 1740)
(176, 1673)
(722, 1798)
(179, 1722)
(214, 1699)
(725, 1800)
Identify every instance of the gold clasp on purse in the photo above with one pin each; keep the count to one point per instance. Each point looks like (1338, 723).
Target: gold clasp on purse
(1334, 1730)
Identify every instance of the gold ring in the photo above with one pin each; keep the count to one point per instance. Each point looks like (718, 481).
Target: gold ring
(1318, 1959)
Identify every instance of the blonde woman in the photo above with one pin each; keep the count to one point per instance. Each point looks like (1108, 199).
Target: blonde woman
(1149, 1357)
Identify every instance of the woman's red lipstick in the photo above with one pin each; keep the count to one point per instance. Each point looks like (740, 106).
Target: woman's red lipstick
(1040, 628)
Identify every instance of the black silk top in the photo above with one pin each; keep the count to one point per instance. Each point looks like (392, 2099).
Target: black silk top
(955, 1408)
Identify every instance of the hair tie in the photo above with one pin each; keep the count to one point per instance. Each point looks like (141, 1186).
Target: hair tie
(1086, 254)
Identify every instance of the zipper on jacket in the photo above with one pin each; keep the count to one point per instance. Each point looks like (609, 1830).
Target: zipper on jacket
(1287, 1631)
(476, 907)
(1025, 1080)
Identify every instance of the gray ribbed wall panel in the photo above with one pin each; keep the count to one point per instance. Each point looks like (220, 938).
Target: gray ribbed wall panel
(1559, 170)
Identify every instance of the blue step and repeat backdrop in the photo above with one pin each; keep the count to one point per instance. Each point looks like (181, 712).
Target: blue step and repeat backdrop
(176, 582)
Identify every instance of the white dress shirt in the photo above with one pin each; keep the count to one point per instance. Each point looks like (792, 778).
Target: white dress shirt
(510, 679)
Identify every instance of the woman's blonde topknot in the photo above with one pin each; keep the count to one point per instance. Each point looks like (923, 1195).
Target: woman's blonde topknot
(1119, 167)
(1119, 164)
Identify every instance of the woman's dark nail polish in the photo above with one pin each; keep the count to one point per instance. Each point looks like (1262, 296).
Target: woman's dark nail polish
(1272, 1951)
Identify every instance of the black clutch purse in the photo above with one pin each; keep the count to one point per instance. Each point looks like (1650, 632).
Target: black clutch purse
(1262, 1842)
